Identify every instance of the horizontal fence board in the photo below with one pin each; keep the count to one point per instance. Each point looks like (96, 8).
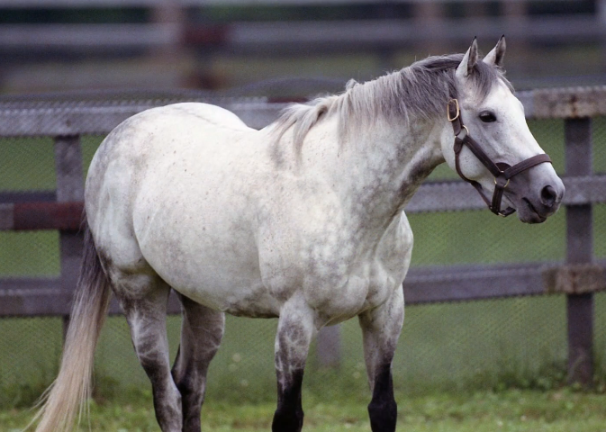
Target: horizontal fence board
(57, 122)
(39, 297)
(574, 102)
(87, 37)
(65, 216)
(458, 195)
(464, 283)
(15, 197)
(100, 120)
(431, 197)
(33, 297)
(273, 38)
(15, 4)
(292, 37)
(585, 190)
(7, 217)
(444, 196)
(89, 119)
(21, 297)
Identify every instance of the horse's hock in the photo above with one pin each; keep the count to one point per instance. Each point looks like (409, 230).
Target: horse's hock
(39, 272)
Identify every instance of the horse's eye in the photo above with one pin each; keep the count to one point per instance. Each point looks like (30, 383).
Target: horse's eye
(488, 117)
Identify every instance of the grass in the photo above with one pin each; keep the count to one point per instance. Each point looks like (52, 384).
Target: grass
(561, 410)
(458, 346)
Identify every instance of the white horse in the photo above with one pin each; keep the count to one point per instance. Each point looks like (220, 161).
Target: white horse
(303, 220)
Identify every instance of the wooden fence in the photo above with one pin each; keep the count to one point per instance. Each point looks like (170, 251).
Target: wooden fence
(578, 277)
(169, 28)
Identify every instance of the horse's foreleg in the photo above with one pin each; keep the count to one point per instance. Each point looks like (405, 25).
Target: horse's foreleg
(296, 328)
(381, 329)
(201, 334)
(146, 315)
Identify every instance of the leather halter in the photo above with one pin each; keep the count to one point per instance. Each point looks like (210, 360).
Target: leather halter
(501, 171)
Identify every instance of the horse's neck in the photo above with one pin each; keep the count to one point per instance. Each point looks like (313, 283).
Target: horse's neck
(389, 164)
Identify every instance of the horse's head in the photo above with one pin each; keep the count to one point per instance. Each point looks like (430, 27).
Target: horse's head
(492, 147)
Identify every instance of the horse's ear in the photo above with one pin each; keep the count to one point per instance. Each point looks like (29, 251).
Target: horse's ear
(497, 55)
(469, 61)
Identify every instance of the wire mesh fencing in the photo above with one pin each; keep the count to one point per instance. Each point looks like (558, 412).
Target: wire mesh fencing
(482, 344)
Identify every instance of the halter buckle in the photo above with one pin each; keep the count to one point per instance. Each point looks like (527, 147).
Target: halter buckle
(505, 185)
(455, 104)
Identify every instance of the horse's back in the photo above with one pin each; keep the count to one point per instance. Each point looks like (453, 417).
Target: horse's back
(202, 112)
(162, 176)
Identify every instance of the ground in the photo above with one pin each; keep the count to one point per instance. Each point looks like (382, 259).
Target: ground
(562, 410)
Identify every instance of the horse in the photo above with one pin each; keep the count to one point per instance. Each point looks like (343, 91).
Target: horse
(302, 221)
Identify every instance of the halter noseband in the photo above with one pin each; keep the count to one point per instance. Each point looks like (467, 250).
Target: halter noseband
(502, 172)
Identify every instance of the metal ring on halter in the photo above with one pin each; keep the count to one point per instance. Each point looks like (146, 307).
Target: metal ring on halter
(466, 130)
(506, 184)
(456, 101)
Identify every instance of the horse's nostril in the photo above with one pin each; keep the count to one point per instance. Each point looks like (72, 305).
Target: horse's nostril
(548, 196)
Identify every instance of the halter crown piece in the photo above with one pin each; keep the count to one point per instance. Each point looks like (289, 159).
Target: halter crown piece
(501, 171)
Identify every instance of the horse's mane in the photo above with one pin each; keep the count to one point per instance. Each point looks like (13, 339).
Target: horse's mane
(421, 90)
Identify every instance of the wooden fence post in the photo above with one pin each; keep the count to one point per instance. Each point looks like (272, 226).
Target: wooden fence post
(579, 250)
(427, 14)
(70, 187)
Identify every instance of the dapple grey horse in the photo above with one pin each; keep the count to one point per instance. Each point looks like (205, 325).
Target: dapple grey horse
(303, 220)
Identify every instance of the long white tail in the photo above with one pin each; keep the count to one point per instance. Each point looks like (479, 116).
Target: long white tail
(70, 391)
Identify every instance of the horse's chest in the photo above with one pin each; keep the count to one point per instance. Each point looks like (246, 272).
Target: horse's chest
(341, 271)
(364, 289)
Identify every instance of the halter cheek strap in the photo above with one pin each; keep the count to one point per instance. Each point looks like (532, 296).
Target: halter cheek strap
(502, 172)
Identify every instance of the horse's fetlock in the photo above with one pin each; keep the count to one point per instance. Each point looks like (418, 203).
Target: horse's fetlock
(383, 415)
(287, 420)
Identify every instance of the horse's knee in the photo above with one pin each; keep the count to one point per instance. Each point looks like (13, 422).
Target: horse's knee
(200, 338)
(190, 385)
(296, 329)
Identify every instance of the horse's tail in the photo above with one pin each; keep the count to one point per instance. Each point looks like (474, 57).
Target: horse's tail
(70, 391)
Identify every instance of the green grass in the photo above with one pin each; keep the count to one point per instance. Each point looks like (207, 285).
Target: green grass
(496, 344)
(561, 410)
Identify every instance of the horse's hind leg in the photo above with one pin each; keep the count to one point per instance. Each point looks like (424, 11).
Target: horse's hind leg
(296, 328)
(381, 329)
(201, 334)
(144, 298)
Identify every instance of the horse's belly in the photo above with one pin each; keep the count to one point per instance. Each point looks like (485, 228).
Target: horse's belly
(213, 263)
(358, 295)
(251, 300)
(227, 285)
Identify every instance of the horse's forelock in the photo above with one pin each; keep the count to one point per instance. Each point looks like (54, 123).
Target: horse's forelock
(430, 83)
